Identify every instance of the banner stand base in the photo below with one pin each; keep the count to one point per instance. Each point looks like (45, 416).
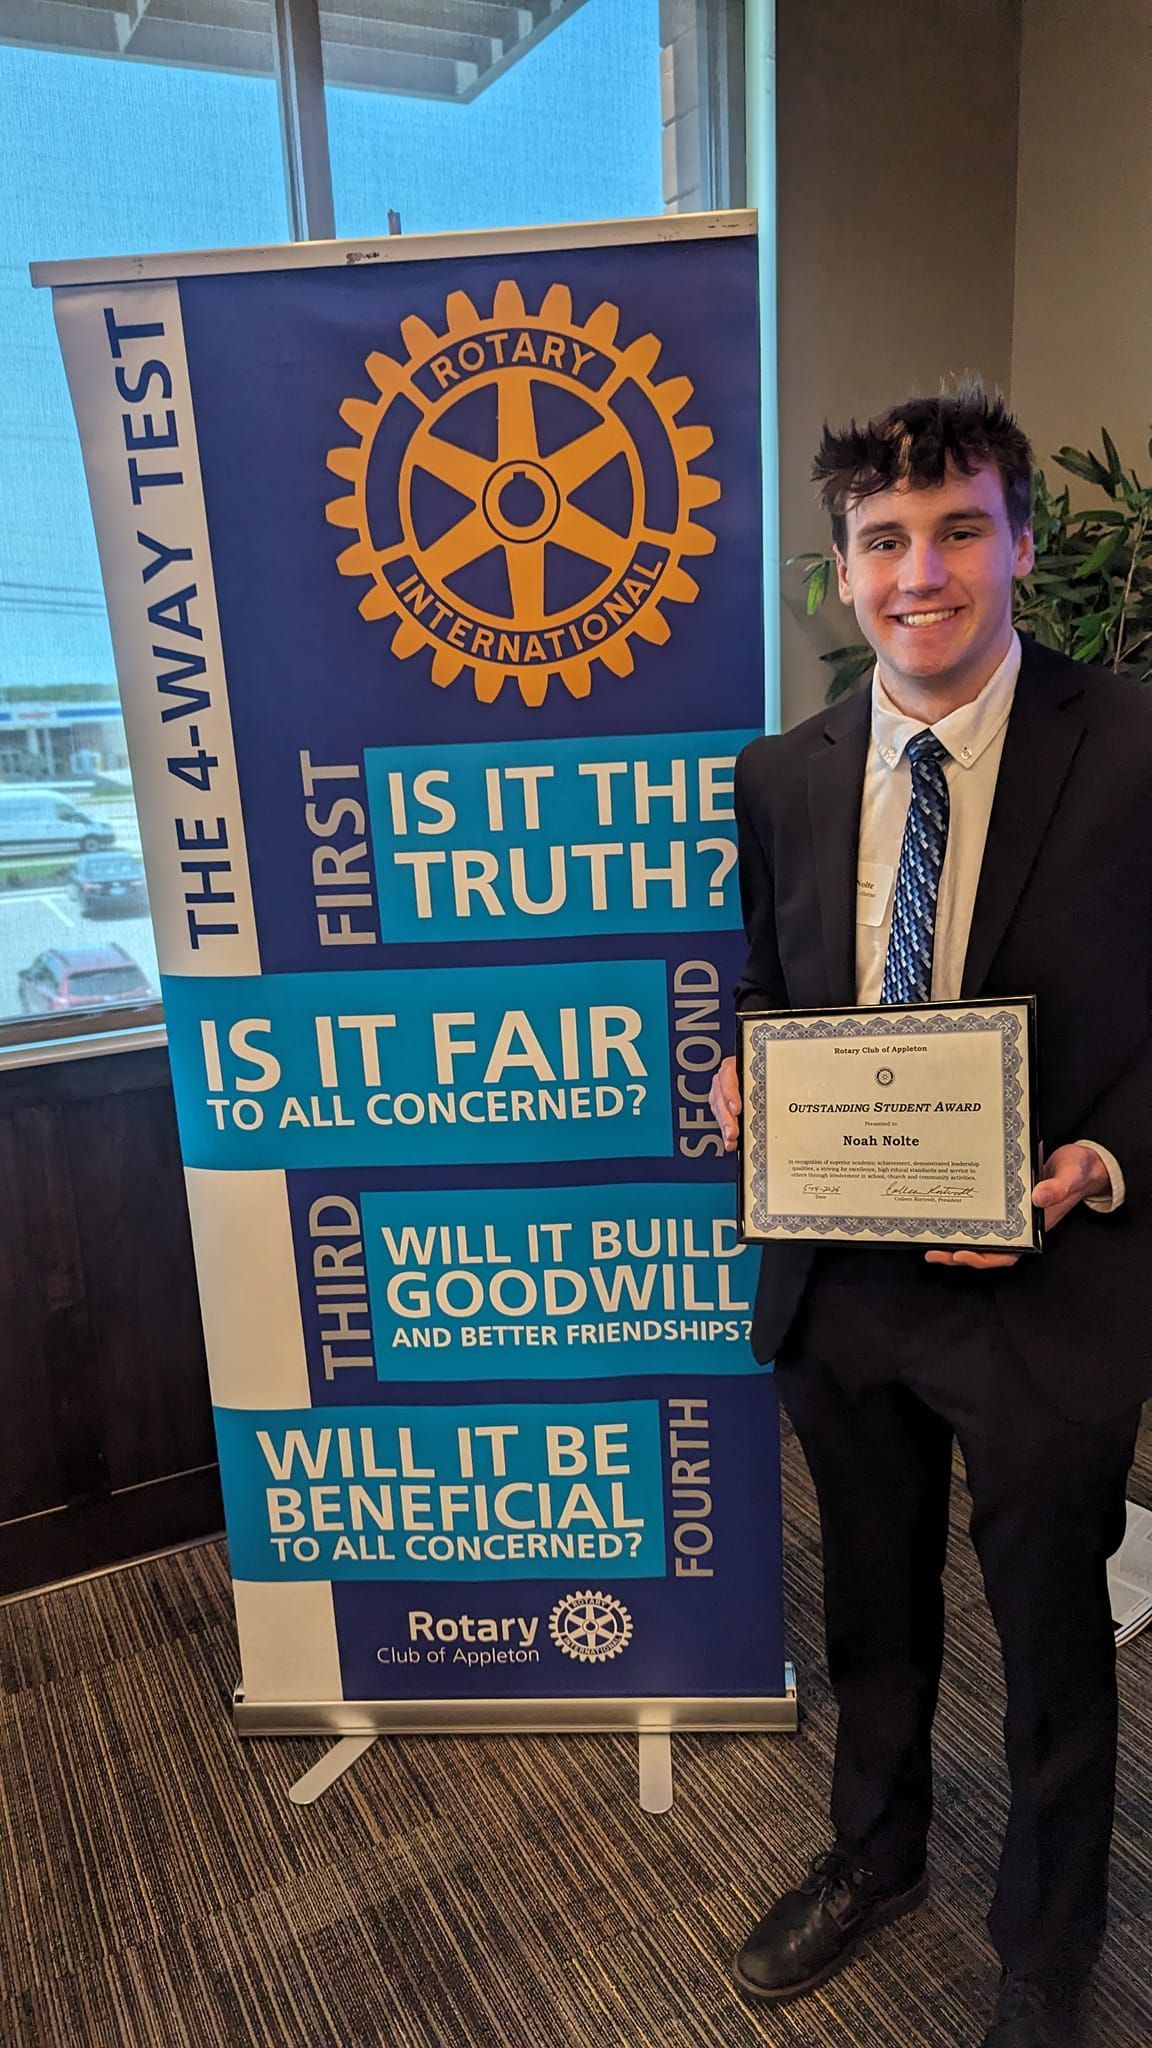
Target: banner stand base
(655, 1762)
(772, 1714)
(339, 1758)
(653, 1744)
(654, 1759)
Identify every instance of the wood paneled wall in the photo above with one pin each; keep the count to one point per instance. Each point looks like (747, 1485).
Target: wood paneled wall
(106, 1448)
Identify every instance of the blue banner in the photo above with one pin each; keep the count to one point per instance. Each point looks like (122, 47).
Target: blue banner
(437, 608)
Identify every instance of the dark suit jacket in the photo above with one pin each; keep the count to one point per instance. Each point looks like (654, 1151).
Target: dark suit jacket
(1063, 912)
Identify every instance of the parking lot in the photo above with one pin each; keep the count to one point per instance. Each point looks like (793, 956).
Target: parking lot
(37, 916)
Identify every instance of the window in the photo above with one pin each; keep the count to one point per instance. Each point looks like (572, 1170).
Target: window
(563, 125)
(103, 156)
(174, 127)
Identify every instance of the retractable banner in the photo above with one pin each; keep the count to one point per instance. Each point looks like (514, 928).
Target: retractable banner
(434, 574)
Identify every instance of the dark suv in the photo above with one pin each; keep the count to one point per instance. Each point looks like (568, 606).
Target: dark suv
(104, 884)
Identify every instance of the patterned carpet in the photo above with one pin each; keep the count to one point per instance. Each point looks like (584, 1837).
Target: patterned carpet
(158, 1891)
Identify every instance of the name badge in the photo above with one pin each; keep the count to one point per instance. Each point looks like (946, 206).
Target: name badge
(873, 888)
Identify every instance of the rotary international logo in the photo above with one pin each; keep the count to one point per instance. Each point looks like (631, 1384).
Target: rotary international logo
(522, 496)
(592, 1627)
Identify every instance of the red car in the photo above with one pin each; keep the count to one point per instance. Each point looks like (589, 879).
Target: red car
(81, 978)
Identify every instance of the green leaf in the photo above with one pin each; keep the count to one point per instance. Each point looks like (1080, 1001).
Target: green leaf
(1102, 554)
(1088, 638)
(849, 665)
(1054, 586)
(1050, 565)
(818, 580)
(1085, 466)
(1106, 515)
(1115, 466)
(845, 679)
(1048, 633)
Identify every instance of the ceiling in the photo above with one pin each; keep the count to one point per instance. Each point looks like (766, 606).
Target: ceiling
(432, 49)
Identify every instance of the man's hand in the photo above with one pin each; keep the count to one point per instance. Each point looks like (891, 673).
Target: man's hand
(724, 1098)
(1072, 1173)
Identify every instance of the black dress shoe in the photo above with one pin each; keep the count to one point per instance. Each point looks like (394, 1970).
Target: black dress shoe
(810, 1933)
(1037, 2012)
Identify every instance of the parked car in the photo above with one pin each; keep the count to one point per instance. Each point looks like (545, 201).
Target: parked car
(80, 977)
(43, 821)
(108, 884)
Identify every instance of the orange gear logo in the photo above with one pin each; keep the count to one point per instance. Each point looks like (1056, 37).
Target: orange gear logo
(522, 497)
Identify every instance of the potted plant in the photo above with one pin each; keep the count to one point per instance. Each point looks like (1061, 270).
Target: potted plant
(1090, 593)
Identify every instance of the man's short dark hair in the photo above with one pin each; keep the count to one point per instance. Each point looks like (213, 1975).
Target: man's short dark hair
(916, 443)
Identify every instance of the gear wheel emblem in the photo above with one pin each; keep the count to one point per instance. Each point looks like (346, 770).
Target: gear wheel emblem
(592, 1627)
(522, 497)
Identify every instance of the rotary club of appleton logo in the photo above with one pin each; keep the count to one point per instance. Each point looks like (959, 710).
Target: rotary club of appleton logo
(522, 497)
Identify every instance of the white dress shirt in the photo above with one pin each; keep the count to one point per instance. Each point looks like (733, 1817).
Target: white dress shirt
(974, 739)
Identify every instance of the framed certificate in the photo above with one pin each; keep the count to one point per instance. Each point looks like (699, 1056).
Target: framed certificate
(891, 1126)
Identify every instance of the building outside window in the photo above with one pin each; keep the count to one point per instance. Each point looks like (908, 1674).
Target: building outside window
(189, 124)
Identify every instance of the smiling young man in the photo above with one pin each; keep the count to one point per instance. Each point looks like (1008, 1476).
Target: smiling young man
(1003, 792)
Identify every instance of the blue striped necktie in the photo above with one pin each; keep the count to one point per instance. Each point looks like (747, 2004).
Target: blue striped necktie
(908, 963)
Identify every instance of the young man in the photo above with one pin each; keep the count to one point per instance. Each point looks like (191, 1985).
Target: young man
(1000, 797)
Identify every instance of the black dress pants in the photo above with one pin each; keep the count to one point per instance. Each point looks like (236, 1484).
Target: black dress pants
(889, 1361)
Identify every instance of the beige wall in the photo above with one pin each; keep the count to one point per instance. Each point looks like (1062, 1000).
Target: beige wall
(896, 183)
(961, 185)
(1082, 344)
